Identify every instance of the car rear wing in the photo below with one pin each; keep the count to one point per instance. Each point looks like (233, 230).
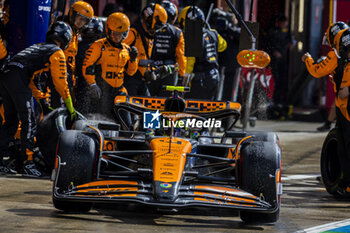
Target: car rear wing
(205, 108)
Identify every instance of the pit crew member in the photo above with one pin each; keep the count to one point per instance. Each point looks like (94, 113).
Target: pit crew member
(328, 65)
(114, 57)
(89, 35)
(17, 96)
(205, 68)
(168, 49)
(79, 17)
(153, 17)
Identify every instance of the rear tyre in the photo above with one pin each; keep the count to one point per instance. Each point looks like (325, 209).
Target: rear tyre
(259, 164)
(330, 164)
(78, 151)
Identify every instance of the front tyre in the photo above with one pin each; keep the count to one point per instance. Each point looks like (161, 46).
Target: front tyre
(260, 176)
(77, 150)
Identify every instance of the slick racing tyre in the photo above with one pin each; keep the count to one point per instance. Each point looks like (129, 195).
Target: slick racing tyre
(49, 129)
(260, 162)
(330, 164)
(77, 150)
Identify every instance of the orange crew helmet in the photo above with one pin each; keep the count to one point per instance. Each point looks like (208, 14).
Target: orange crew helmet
(343, 44)
(117, 23)
(154, 16)
(82, 9)
(332, 31)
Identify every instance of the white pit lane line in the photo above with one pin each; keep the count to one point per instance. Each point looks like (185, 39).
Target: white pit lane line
(300, 177)
(340, 226)
(333, 227)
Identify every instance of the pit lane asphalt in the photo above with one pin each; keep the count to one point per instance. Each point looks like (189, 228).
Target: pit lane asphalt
(26, 206)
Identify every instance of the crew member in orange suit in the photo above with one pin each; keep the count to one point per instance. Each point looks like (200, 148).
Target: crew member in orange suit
(341, 84)
(79, 17)
(152, 19)
(327, 66)
(114, 57)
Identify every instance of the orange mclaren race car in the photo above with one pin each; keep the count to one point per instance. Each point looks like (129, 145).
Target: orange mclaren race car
(177, 165)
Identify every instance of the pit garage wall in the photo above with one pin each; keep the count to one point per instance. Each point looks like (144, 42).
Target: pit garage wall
(306, 21)
(339, 10)
(29, 20)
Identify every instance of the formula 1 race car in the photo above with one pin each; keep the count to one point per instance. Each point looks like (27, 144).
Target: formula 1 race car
(169, 167)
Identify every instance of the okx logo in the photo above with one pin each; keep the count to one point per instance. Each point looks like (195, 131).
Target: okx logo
(151, 120)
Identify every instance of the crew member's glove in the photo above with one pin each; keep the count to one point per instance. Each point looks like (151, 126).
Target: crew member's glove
(45, 106)
(95, 91)
(164, 70)
(133, 53)
(149, 76)
(71, 110)
(306, 55)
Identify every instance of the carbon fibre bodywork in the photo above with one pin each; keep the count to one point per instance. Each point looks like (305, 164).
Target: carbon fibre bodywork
(168, 171)
(188, 196)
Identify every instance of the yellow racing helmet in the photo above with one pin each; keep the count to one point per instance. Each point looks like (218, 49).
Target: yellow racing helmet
(118, 23)
(82, 9)
(189, 13)
(155, 17)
